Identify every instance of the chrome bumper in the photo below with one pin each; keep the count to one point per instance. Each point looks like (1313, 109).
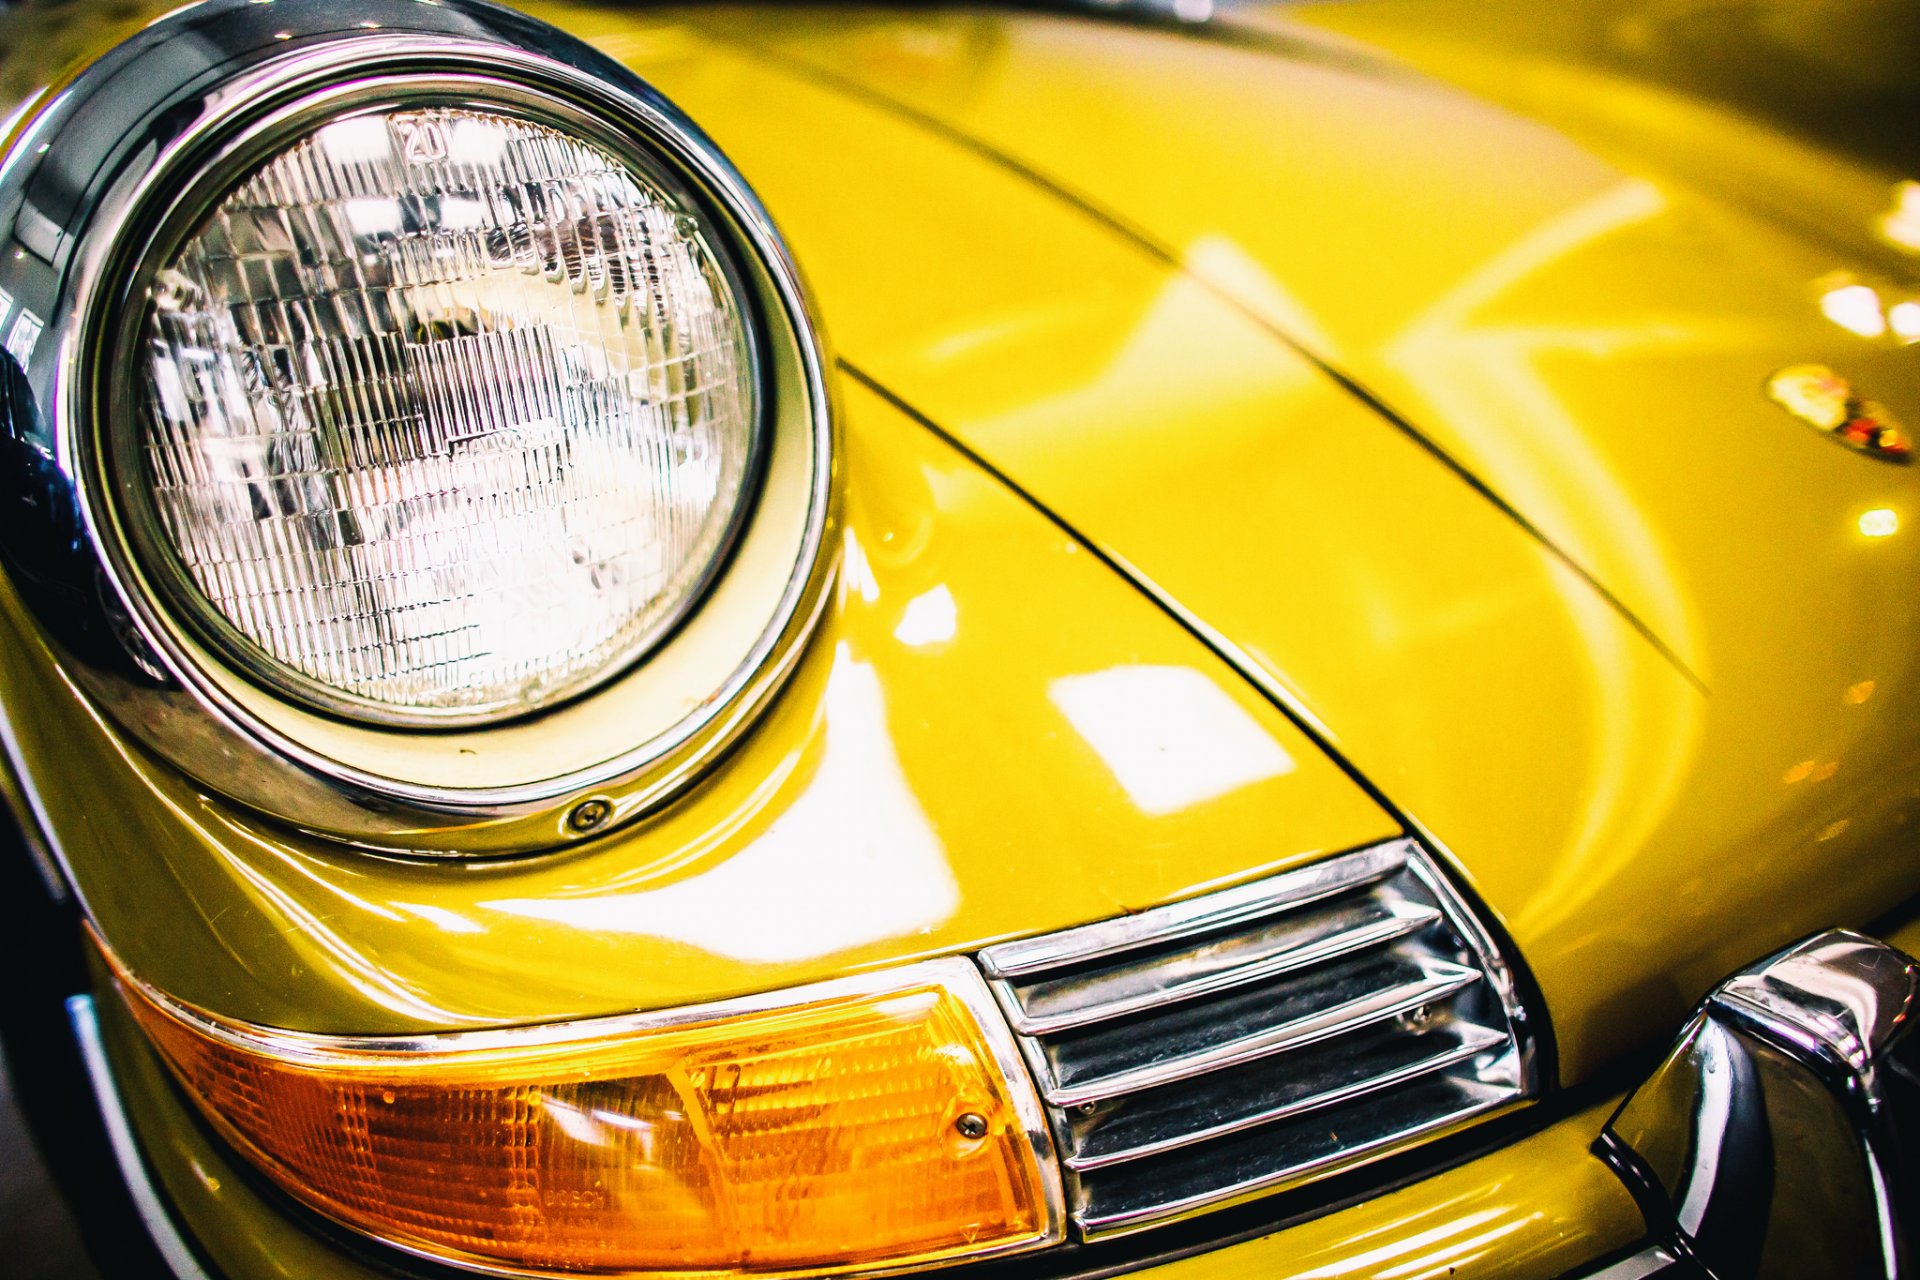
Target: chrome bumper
(1777, 1139)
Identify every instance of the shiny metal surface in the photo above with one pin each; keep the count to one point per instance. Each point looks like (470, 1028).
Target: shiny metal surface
(108, 155)
(1229, 907)
(1227, 1046)
(1776, 1140)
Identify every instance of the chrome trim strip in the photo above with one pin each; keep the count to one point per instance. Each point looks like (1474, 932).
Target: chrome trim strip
(1426, 868)
(1444, 980)
(1650, 1261)
(1122, 1223)
(166, 1237)
(1470, 1048)
(1197, 915)
(1408, 919)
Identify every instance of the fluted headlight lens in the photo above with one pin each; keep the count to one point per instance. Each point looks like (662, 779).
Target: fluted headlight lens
(447, 414)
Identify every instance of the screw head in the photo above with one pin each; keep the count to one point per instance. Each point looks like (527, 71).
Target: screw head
(589, 815)
(971, 1126)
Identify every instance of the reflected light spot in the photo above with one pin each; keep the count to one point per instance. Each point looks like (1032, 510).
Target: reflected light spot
(372, 217)
(1858, 693)
(1902, 226)
(1171, 737)
(928, 619)
(1193, 10)
(1832, 830)
(477, 142)
(853, 862)
(1825, 771)
(859, 571)
(357, 141)
(1799, 773)
(1856, 308)
(573, 1122)
(1905, 319)
(462, 213)
(1881, 522)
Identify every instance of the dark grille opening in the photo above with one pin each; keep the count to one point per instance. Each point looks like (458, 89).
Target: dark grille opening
(1236, 1044)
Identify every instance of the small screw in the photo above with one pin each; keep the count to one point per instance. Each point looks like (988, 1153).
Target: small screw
(971, 1126)
(589, 815)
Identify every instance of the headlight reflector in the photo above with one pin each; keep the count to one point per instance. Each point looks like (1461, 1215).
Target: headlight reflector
(446, 414)
(874, 1124)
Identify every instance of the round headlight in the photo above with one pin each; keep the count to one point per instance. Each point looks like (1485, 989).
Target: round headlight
(444, 415)
(427, 372)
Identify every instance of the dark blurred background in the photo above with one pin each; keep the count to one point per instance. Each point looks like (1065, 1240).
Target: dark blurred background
(38, 1240)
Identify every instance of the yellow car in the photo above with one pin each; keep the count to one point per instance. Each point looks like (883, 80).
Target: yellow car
(1043, 641)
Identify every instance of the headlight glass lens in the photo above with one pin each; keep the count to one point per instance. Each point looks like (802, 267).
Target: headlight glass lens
(447, 413)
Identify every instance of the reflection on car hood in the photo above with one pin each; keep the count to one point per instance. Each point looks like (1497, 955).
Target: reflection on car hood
(1595, 613)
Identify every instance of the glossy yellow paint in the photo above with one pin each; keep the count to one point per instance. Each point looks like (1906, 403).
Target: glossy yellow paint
(1096, 254)
(1543, 1207)
(1529, 1211)
(1592, 340)
(922, 788)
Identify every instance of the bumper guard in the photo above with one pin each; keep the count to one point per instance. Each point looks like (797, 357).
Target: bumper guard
(1781, 1135)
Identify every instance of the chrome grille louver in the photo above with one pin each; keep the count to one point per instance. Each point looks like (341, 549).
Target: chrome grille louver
(1231, 1045)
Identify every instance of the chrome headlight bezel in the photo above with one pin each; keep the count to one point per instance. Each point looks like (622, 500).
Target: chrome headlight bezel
(220, 84)
(144, 554)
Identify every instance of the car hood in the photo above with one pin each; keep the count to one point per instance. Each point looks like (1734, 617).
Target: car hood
(1444, 418)
(1440, 418)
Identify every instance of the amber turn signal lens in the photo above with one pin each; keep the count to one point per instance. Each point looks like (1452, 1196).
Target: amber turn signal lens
(876, 1123)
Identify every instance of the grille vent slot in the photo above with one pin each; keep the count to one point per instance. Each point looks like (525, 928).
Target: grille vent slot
(1230, 1046)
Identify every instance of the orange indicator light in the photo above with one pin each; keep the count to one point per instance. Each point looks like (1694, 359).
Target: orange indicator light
(853, 1126)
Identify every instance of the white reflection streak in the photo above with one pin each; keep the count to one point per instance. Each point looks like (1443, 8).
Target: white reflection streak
(572, 1121)
(1474, 372)
(857, 571)
(1171, 737)
(853, 862)
(1448, 1261)
(1401, 1248)
(449, 921)
(930, 618)
(1221, 262)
